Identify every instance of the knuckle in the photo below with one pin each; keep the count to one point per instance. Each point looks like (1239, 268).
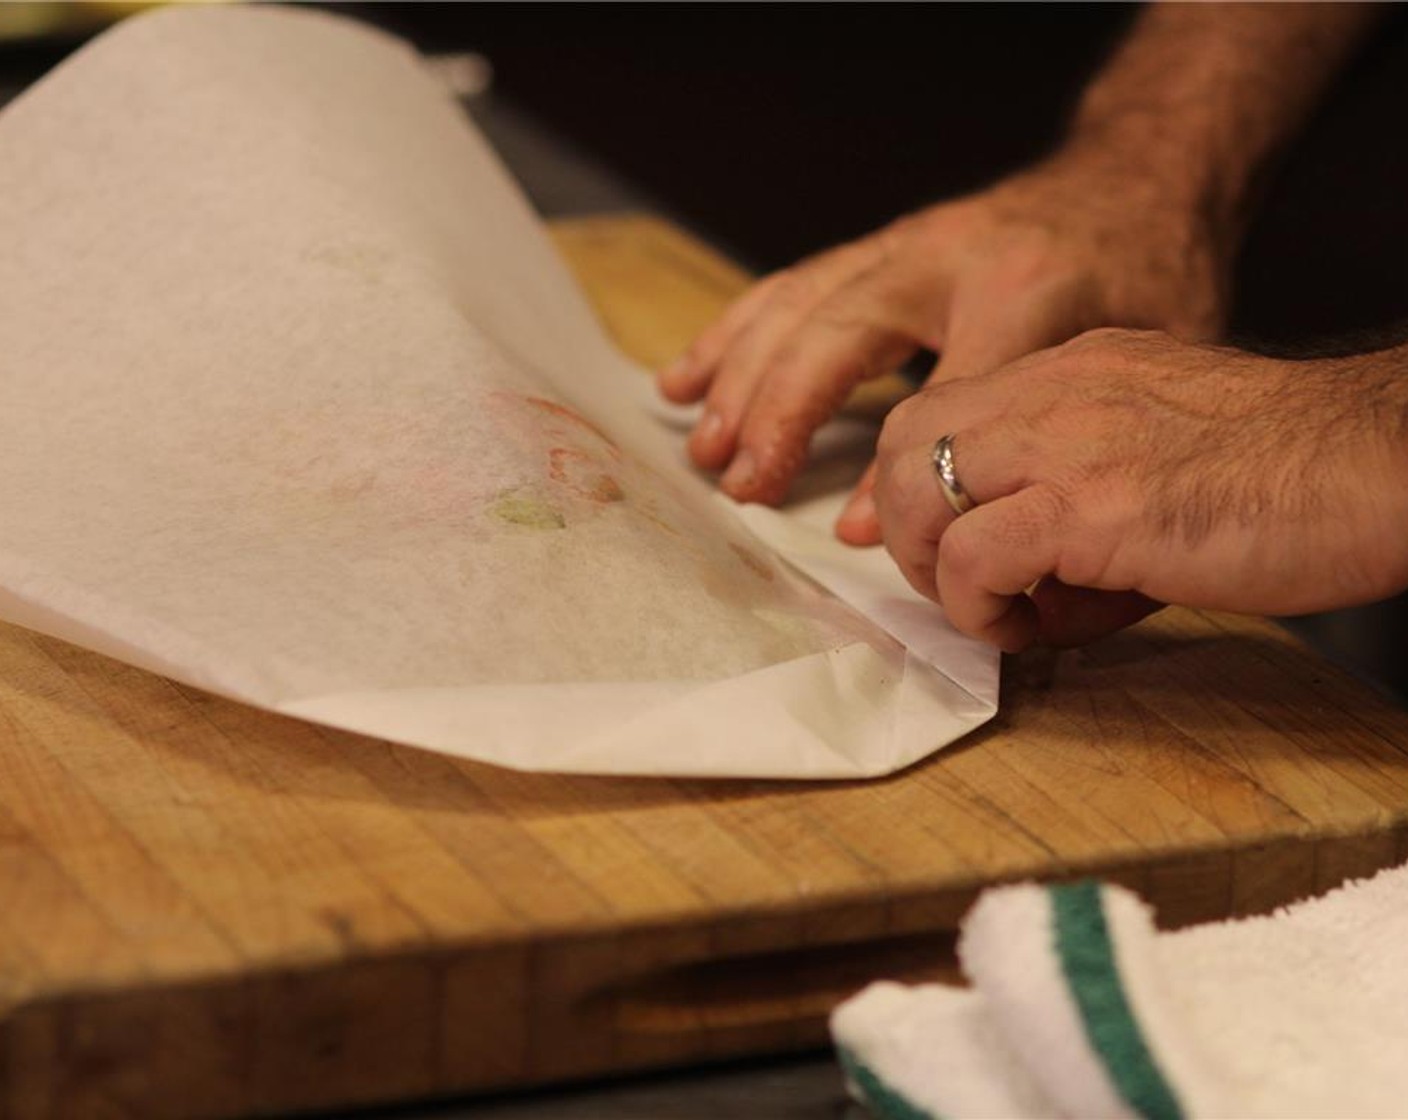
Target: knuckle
(1027, 261)
(918, 564)
(779, 441)
(767, 283)
(725, 398)
(1098, 337)
(789, 418)
(1084, 562)
(926, 231)
(703, 352)
(893, 431)
(776, 465)
(1118, 338)
(1067, 514)
(1023, 258)
(1051, 508)
(721, 396)
(909, 417)
(870, 252)
(1045, 513)
(962, 555)
(799, 392)
(846, 312)
(759, 294)
(1091, 353)
(1081, 566)
(737, 373)
(898, 240)
(793, 288)
(1103, 523)
(898, 230)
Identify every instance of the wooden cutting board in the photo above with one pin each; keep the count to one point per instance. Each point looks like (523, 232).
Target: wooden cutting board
(207, 909)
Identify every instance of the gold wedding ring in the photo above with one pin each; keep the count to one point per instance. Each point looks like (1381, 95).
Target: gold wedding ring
(942, 458)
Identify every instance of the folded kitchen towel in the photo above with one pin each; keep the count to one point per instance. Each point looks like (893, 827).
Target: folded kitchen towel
(1079, 1007)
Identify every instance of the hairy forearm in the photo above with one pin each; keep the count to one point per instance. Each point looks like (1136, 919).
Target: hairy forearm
(1202, 96)
(1374, 385)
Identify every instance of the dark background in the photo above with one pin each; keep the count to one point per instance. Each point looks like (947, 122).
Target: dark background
(774, 131)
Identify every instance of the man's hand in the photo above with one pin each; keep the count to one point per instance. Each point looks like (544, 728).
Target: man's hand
(1074, 244)
(1125, 467)
(1132, 224)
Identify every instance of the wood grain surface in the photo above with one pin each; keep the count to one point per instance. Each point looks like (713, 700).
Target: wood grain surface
(210, 910)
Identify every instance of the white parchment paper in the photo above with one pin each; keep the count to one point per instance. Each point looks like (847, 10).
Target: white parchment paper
(298, 405)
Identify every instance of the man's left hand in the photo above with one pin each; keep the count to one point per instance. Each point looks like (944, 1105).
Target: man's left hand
(1126, 469)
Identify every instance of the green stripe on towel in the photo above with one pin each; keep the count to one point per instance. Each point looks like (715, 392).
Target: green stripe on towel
(884, 1101)
(1088, 961)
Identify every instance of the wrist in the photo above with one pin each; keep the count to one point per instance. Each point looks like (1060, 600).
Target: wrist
(1169, 171)
(1365, 402)
(1144, 207)
(1146, 255)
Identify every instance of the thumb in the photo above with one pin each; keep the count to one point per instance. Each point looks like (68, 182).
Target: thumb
(997, 332)
(859, 524)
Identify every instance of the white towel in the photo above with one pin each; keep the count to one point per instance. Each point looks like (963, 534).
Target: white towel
(1079, 1007)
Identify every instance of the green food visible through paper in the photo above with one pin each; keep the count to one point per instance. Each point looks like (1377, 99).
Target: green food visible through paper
(526, 510)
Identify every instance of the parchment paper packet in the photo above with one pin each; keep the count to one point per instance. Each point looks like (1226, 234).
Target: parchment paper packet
(298, 405)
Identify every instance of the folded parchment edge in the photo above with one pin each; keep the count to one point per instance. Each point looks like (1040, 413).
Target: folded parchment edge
(69, 605)
(576, 728)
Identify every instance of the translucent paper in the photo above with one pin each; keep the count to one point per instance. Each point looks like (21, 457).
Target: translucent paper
(297, 405)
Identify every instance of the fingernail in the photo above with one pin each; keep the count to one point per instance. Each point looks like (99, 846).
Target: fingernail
(861, 507)
(710, 426)
(740, 473)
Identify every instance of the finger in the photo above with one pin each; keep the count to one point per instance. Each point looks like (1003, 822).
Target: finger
(867, 328)
(1073, 616)
(687, 379)
(859, 524)
(986, 333)
(749, 357)
(992, 457)
(806, 385)
(988, 558)
(913, 514)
